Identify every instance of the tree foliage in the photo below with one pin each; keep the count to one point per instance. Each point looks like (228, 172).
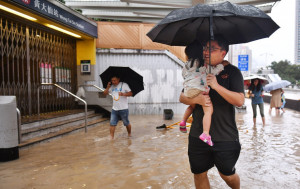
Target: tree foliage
(78, 10)
(287, 71)
(259, 71)
(62, 1)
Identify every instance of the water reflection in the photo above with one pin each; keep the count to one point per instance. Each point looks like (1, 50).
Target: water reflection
(268, 152)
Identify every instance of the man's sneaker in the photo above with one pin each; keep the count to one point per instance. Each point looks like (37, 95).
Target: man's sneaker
(182, 127)
(206, 139)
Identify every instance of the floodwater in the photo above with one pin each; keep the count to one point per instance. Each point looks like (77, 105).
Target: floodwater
(150, 159)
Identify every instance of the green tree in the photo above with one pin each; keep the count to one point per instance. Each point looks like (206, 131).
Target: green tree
(259, 71)
(78, 10)
(286, 70)
(62, 1)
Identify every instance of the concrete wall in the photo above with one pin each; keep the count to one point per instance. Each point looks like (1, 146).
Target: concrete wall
(290, 103)
(129, 35)
(161, 71)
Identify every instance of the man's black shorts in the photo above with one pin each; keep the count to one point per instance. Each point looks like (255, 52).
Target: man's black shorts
(223, 155)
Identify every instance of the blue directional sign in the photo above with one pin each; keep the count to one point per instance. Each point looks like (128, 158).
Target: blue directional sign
(243, 62)
(60, 14)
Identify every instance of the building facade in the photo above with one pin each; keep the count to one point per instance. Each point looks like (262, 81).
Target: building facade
(241, 57)
(161, 71)
(41, 44)
(297, 33)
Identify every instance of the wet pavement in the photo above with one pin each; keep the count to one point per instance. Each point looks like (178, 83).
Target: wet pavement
(270, 157)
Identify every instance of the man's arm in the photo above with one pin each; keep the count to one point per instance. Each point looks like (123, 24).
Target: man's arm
(234, 98)
(125, 94)
(126, 88)
(203, 100)
(106, 91)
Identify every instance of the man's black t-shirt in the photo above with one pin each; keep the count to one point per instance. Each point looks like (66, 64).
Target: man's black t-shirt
(223, 125)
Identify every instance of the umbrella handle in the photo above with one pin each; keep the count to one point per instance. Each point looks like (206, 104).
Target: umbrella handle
(211, 33)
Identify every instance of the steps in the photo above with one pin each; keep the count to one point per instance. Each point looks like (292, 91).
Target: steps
(45, 128)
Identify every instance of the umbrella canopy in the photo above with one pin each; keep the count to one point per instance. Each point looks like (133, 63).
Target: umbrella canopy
(247, 80)
(127, 75)
(236, 23)
(276, 85)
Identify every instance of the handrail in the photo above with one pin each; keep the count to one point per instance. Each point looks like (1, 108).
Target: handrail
(85, 104)
(97, 88)
(19, 126)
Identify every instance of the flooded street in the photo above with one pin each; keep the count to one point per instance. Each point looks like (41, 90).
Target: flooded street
(270, 157)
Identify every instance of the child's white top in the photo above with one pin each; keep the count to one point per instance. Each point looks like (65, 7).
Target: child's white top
(196, 78)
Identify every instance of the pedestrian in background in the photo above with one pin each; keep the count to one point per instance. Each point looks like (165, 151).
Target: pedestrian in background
(283, 101)
(275, 101)
(120, 91)
(256, 94)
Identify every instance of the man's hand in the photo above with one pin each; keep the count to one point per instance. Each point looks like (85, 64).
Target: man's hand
(203, 100)
(211, 80)
(105, 92)
(234, 98)
(108, 85)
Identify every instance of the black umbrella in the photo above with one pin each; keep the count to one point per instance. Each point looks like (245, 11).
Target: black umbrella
(236, 23)
(127, 75)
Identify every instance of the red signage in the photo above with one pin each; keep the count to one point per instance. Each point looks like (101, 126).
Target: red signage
(26, 1)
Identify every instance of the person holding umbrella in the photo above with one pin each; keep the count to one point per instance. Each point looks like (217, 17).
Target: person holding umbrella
(227, 91)
(275, 89)
(275, 101)
(120, 91)
(202, 22)
(256, 94)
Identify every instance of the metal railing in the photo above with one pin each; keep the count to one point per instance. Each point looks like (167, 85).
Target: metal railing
(95, 86)
(63, 89)
(19, 126)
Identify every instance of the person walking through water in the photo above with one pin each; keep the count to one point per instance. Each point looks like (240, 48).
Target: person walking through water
(226, 92)
(120, 91)
(194, 73)
(275, 101)
(256, 94)
(283, 101)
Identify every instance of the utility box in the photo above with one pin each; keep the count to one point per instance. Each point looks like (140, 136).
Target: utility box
(9, 143)
(168, 114)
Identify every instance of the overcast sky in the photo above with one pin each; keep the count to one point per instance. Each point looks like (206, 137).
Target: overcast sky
(280, 45)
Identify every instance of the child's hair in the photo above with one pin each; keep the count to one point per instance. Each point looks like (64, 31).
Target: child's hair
(195, 51)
